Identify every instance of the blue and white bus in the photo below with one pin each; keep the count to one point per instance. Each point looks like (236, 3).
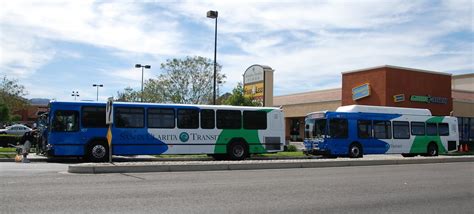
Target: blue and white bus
(233, 132)
(357, 130)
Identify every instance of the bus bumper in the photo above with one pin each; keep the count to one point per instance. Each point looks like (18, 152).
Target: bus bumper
(317, 152)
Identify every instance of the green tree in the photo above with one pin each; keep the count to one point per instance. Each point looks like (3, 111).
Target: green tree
(128, 95)
(11, 92)
(4, 113)
(188, 80)
(237, 98)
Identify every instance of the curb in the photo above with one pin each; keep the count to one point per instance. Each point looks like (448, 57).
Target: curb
(240, 165)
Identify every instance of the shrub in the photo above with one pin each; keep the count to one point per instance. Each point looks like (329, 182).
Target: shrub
(291, 148)
(9, 139)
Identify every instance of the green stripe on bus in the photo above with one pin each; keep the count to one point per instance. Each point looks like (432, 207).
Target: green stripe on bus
(420, 144)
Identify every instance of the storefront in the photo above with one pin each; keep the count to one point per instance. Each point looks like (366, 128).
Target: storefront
(442, 93)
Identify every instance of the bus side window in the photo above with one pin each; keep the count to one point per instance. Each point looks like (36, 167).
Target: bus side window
(382, 129)
(443, 129)
(364, 128)
(401, 130)
(93, 117)
(208, 119)
(431, 129)
(229, 119)
(338, 128)
(129, 117)
(160, 118)
(188, 118)
(255, 120)
(418, 128)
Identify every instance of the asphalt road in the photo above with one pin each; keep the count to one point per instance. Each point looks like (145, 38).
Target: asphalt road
(421, 188)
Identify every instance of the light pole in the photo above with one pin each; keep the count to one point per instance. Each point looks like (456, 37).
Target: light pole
(212, 14)
(142, 66)
(97, 86)
(218, 94)
(75, 94)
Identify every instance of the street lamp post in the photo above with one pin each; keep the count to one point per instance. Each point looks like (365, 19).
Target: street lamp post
(97, 86)
(75, 94)
(213, 15)
(142, 66)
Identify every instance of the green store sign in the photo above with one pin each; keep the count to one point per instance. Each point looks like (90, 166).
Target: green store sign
(429, 99)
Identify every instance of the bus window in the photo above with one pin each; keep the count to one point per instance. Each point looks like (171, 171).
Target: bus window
(66, 121)
(188, 118)
(338, 128)
(255, 120)
(229, 119)
(401, 130)
(417, 128)
(431, 129)
(207, 119)
(320, 128)
(382, 129)
(129, 117)
(93, 117)
(364, 128)
(160, 118)
(443, 129)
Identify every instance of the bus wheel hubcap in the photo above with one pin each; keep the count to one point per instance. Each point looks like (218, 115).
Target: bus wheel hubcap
(355, 151)
(98, 151)
(238, 151)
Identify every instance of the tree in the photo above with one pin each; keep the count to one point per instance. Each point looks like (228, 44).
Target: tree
(188, 80)
(128, 95)
(237, 98)
(11, 99)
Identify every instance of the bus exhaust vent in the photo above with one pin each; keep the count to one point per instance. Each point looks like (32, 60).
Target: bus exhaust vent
(272, 143)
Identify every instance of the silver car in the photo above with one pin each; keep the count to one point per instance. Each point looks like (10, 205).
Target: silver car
(17, 129)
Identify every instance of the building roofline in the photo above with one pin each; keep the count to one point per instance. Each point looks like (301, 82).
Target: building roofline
(308, 92)
(463, 75)
(397, 67)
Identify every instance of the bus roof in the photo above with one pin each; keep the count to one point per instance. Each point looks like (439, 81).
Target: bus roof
(384, 110)
(161, 104)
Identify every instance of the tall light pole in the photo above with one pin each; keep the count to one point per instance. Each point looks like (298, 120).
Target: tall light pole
(75, 94)
(212, 14)
(142, 66)
(97, 86)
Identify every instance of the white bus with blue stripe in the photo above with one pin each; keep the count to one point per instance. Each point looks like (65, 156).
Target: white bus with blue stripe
(358, 129)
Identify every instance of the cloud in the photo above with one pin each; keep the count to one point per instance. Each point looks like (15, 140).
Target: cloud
(308, 43)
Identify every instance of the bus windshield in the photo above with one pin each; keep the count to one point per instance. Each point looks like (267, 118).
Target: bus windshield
(315, 128)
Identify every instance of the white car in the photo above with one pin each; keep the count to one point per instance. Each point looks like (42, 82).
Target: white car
(17, 129)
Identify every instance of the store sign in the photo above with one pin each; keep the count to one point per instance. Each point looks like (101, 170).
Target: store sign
(253, 74)
(361, 91)
(399, 98)
(429, 99)
(255, 90)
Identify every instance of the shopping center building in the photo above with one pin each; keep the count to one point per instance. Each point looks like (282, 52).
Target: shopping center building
(442, 93)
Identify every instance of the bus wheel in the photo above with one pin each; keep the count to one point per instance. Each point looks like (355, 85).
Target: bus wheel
(355, 151)
(237, 151)
(432, 150)
(97, 152)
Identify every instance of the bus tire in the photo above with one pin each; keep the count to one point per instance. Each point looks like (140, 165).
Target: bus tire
(432, 149)
(355, 150)
(97, 151)
(237, 151)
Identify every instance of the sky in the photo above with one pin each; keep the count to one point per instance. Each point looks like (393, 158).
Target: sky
(56, 47)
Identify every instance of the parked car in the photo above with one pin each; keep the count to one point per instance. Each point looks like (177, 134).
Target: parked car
(17, 129)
